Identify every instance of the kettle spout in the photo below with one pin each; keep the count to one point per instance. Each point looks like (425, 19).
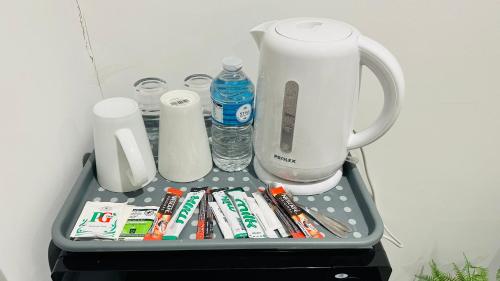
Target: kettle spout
(259, 31)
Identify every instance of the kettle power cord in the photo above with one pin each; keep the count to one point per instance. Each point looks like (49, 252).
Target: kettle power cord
(389, 236)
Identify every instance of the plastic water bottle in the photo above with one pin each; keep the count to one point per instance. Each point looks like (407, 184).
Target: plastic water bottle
(232, 115)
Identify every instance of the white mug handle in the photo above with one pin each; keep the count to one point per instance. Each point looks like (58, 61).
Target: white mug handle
(388, 71)
(137, 173)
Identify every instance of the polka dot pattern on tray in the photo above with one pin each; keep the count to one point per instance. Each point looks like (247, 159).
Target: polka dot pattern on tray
(340, 202)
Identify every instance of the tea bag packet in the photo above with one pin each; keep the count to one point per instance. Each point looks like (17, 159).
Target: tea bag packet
(222, 222)
(101, 220)
(141, 219)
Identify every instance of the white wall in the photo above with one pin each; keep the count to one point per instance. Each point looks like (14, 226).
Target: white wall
(436, 171)
(47, 88)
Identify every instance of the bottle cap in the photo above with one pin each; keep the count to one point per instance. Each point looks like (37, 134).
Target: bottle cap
(232, 63)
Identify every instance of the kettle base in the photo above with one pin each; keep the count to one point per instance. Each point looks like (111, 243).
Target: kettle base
(298, 188)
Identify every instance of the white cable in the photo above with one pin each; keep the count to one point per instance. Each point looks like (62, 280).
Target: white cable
(390, 236)
(367, 173)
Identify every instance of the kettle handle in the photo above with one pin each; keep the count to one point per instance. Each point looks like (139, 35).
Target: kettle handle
(388, 71)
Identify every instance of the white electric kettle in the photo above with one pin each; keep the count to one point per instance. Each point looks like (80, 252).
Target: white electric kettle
(307, 92)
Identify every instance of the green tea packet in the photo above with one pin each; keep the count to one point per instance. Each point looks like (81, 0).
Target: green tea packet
(139, 222)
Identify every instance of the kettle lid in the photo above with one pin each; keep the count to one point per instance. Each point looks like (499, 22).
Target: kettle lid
(314, 29)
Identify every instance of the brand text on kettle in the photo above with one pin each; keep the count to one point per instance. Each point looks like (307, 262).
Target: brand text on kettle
(289, 160)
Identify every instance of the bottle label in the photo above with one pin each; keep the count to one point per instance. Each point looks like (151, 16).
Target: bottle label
(232, 114)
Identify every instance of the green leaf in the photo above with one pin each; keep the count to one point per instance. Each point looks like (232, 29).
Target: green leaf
(437, 274)
(479, 274)
(469, 272)
(467, 265)
(460, 276)
(424, 278)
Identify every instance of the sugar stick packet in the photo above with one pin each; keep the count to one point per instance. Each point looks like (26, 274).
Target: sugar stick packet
(295, 213)
(221, 220)
(101, 220)
(250, 222)
(164, 214)
(184, 213)
(139, 222)
(269, 215)
(205, 227)
(259, 214)
(229, 211)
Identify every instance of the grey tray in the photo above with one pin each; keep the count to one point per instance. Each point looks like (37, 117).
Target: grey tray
(349, 201)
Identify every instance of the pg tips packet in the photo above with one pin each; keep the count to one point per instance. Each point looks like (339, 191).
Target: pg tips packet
(101, 220)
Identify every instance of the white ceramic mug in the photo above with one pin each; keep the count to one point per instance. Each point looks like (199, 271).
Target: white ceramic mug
(123, 156)
(184, 153)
